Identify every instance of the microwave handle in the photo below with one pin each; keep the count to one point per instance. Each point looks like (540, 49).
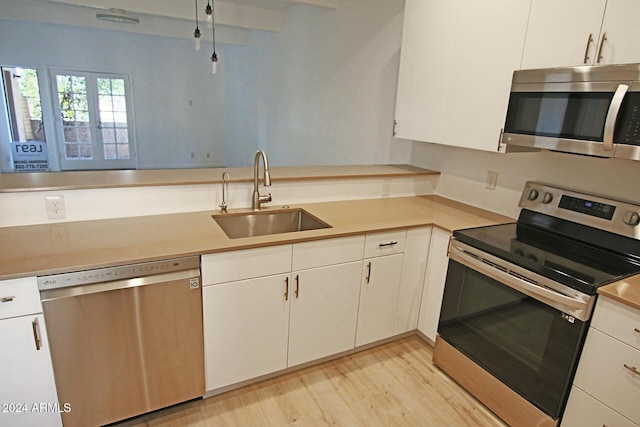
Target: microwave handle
(612, 116)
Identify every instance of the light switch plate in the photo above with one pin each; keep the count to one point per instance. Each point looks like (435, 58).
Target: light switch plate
(490, 182)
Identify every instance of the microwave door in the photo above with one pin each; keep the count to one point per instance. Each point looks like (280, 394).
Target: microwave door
(577, 118)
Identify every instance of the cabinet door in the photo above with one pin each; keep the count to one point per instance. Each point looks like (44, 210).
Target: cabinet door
(28, 388)
(436, 276)
(606, 372)
(378, 298)
(324, 311)
(427, 37)
(245, 329)
(414, 266)
(622, 41)
(456, 67)
(563, 33)
(584, 411)
(487, 49)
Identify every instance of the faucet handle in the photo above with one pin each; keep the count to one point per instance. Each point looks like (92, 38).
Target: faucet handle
(265, 198)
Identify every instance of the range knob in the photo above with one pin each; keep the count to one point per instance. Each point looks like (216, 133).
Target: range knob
(631, 218)
(532, 194)
(547, 198)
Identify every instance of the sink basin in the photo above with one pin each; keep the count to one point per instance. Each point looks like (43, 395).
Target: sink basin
(268, 222)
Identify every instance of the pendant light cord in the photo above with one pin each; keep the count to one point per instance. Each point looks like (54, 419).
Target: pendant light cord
(213, 26)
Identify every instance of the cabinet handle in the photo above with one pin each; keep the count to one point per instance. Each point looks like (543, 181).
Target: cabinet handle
(383, 245)
(604, 39)
(636, 330)
(36, 334)
(7, 299)
(633, 369)
(586, 51)
(297, 286)
(286, 289)
(368, 278)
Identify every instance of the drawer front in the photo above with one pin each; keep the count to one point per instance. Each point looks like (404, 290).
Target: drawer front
(321, 253)
(245, 264)
(618, 320)
(380, 244)
(602, 373)
(19, 297)
(584, 411)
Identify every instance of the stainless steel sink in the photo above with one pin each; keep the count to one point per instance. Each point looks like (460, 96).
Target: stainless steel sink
(267, 222)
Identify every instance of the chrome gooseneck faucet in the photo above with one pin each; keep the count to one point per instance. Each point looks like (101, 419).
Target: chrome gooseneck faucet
(257, 199)
(225, 183)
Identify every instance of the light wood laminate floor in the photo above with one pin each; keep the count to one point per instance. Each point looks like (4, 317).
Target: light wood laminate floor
(395, 384)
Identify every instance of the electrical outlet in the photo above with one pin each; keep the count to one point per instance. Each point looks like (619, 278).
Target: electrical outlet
(55, 207)
(490, 182)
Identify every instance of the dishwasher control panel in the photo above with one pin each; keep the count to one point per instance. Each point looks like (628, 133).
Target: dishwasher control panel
(121, 272)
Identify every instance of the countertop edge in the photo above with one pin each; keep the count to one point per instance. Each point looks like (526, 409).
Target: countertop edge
(90, 180)
(625, 291)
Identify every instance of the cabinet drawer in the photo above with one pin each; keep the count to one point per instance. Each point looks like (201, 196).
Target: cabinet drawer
(388, 243)
(602, 373)
(618, 320)
(321, 253)
(19, 297)
(245, 264)
(584, 411)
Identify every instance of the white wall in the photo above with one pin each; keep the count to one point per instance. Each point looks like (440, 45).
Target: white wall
(323, 90)
(179, 106)
(464, 173)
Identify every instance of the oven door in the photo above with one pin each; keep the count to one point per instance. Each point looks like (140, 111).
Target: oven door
(491, 314)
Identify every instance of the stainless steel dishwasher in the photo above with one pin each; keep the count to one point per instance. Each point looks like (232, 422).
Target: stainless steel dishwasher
(125, 340)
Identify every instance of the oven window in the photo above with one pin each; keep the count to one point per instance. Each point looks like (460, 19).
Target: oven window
(526, 344)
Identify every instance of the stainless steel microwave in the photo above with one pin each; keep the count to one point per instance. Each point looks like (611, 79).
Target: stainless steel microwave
(592, 110)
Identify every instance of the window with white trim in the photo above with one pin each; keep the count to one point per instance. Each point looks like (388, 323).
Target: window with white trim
(94, 121)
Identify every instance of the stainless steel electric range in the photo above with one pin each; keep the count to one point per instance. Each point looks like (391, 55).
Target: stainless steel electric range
(518, 298)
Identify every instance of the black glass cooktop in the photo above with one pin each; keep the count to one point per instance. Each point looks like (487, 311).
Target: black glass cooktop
(570, 260)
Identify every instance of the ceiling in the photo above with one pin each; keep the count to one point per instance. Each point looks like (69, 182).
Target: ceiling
(172, 18)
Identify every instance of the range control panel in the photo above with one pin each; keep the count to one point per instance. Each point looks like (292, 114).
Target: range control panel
(616, 216)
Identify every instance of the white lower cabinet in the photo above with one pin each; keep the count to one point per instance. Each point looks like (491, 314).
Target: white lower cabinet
(414, 267)
(380, 286)
(271, 308)
(254, 326)
(606, 388)
(324, 311)
(378, 298)
(28, 395)
(246, 329)
(435, 278)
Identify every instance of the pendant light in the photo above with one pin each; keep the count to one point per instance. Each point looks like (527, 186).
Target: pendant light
(214, 56)
(196, 33)
(209, 11)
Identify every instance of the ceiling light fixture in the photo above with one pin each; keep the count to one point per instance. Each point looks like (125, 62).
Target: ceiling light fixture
(209, 11)
(117, 15)
(196, 33)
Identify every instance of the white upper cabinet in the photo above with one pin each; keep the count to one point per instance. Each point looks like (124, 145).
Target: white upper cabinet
(456, 66)
(582, 32)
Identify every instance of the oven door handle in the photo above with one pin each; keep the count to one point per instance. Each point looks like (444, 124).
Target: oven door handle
(518, 278)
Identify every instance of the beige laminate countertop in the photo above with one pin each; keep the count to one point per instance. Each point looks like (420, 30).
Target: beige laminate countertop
(73, 246)
(82, 180)
(626, 291)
